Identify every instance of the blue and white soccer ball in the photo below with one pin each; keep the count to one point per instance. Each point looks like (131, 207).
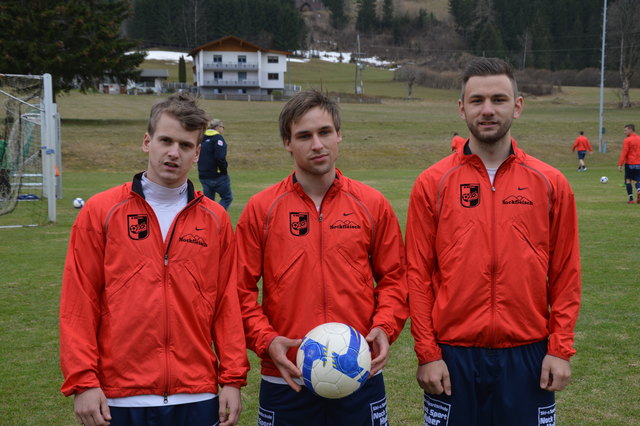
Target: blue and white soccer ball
(604, 179)
(78, 203)
(335, 360)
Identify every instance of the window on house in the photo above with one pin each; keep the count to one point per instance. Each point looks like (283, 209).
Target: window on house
(242, 76)
(273, 76)
(242, 59)
(272, 59)
(217, 59)
(217, 75)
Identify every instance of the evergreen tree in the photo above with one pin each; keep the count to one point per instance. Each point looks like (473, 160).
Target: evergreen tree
(182, 70)
(77, 41)
(366, 20)
(339, 18)
(386, 20)
(541, 43)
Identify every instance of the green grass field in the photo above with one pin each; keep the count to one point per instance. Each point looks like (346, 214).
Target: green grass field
(385, 145)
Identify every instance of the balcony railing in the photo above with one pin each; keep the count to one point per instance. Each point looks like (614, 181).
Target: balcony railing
(231, 83)
(231, 66)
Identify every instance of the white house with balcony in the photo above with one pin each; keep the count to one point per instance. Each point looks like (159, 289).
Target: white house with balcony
(231, 65)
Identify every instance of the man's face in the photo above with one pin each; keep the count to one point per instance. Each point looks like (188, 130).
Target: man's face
(314, 143)
(627, 131)
(172, 151)
(489, 107)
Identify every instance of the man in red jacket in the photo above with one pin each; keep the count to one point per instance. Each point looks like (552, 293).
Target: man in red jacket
(328, 249)
(583, 145)
(493, 268)
(148, 288)
(630, 159)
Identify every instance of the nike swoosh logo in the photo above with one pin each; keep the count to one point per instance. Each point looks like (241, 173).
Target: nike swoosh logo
(520, 188)
(347, 214)
(200, 229)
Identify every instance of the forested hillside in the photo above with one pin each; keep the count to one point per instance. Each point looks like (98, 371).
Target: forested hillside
(542, 34)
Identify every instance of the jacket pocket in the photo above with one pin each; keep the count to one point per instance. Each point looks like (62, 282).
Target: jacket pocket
(206, 300)
(113, 289)
(353, 264)
(537, 251)
(455, 241)
(286, 267)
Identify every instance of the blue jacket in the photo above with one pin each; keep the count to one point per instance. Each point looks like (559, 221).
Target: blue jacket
(213, 156)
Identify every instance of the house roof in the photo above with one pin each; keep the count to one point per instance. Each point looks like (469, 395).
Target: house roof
(233, 43)
(157, 73)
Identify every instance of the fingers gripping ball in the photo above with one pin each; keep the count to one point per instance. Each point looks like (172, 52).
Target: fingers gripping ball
(335, 360)
(78, 203)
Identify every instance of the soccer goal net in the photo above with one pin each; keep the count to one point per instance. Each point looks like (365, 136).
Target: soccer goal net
(30, 159)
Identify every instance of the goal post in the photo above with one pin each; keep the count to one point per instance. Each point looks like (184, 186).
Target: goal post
(30, 154)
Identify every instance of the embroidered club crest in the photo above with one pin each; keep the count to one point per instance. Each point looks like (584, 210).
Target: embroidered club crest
(138, 226)
(299, 223)
(469, 194)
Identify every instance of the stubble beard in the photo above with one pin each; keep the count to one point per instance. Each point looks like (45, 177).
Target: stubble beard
(490, 138)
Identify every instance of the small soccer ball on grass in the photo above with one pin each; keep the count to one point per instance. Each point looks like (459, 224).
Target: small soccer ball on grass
(78, 203)
(604, 179)
(335, 360)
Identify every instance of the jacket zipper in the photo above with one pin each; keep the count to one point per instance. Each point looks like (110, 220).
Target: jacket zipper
(166, 299)
(493, 265)
(324, 287)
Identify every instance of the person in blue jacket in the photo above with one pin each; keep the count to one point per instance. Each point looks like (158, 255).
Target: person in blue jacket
(212, 165)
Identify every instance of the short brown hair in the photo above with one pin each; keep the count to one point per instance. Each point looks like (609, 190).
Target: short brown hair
(630, 126)
(184, 108)
(300, 104)
(481, 67)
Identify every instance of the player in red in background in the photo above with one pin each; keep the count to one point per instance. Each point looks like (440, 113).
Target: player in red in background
(630, 158)
(582, 145)
(457, 142)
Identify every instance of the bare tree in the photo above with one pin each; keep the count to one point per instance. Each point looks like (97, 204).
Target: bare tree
(623, 31)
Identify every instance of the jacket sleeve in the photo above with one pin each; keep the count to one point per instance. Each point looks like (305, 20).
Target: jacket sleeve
(249, 233)
(389, 271)
(623, 154)
(564, 271)
(82, 285)
(228, 335)
(421, 265)
(220, 154)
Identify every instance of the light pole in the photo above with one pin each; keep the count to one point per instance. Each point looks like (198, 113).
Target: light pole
(601, 146)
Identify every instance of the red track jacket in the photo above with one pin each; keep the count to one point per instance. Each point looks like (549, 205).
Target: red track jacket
(581, 144)
(630, 150)
(138, 315)
(492, 266)
(319, 267)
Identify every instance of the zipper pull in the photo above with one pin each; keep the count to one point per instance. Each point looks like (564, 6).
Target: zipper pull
(166, 398)
(166, 259)
(320, 217)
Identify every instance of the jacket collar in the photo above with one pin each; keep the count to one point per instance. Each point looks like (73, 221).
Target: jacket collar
(337, 182)
(514, 152)
(136, 186)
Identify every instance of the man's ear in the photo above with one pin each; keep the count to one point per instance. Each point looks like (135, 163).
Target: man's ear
(146, 139)
(461, 109)
(519, 106)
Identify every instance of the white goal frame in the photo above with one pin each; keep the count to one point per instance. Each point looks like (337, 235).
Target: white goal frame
(50, 143)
